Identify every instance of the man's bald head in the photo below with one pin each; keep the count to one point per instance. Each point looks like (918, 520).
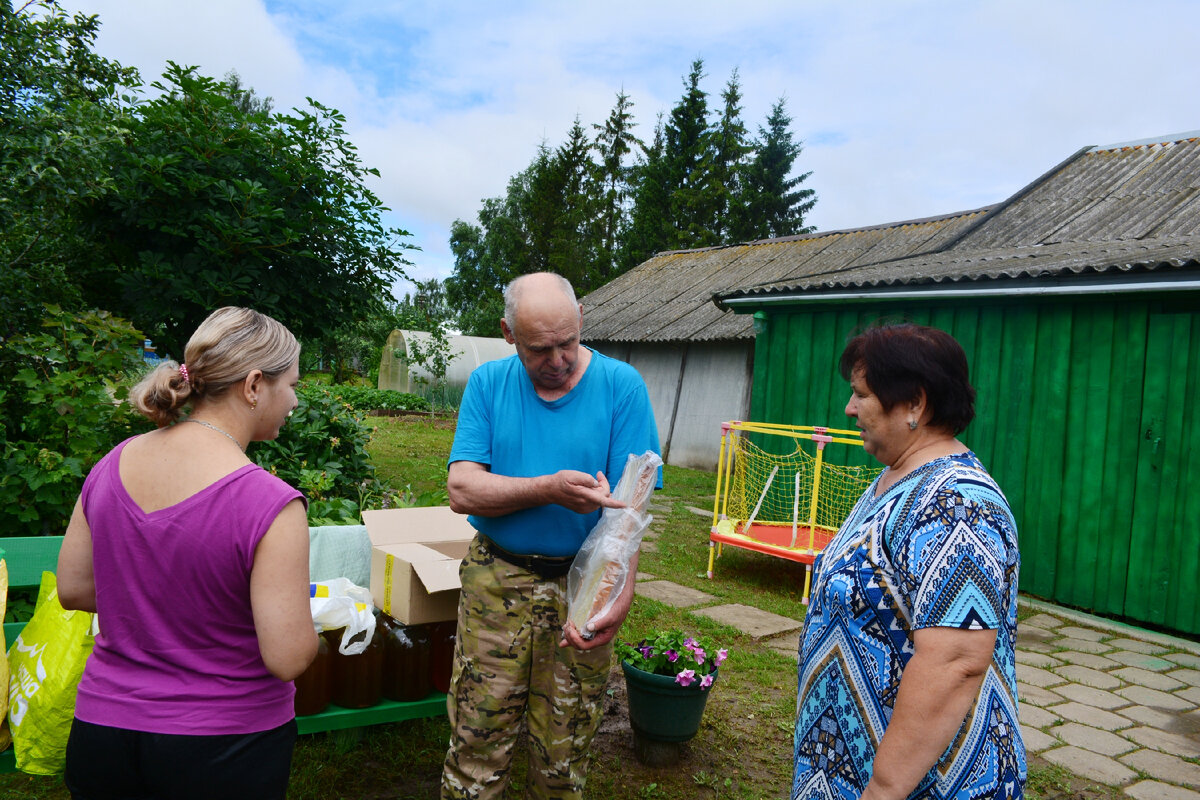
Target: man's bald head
(540, 287)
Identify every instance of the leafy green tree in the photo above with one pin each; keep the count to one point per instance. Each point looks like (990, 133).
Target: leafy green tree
(213, 205)
(60, 110)
(774, 205)
(61, 411)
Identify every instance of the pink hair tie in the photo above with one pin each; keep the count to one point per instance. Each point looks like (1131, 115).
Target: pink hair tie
(183, 371)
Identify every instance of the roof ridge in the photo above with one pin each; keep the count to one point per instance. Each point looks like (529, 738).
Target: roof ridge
(1173, 138)
(821, 234)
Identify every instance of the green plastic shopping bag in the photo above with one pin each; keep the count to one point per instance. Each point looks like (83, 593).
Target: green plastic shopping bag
(45, 664)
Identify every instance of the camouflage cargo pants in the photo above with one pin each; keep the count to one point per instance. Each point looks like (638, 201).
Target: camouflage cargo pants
(509, 670)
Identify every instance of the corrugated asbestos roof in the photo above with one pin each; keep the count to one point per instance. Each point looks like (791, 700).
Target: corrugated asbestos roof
(669, 297)
(1105, 211)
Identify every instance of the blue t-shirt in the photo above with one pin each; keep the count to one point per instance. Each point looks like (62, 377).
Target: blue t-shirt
(504, 424)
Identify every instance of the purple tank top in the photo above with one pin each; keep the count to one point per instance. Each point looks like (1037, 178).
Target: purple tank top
(177, 651)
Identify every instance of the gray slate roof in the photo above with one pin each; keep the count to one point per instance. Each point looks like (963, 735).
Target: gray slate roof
(1105, 211)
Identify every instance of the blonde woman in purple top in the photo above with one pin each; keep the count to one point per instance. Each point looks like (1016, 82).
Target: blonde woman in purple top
(196, 562)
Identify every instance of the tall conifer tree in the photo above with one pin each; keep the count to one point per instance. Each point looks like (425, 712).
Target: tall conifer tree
(774, 205)
(614, 143)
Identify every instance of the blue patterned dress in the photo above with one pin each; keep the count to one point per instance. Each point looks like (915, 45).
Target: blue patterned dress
(938, 549)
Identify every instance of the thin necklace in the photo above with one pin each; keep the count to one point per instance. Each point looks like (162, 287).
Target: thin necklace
(212, 427)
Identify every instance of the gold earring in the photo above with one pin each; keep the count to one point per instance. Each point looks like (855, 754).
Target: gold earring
(254, 404)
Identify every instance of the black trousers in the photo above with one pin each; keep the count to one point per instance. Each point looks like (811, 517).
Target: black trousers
(106, 763)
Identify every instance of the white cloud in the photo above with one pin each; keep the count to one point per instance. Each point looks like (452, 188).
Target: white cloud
(908, 108)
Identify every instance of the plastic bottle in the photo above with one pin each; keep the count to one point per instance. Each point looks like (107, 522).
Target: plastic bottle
(406, 654)
(442, 657)
(357, 680)
(314, 687)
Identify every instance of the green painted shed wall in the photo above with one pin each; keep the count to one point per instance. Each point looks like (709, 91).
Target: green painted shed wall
(1084, 416)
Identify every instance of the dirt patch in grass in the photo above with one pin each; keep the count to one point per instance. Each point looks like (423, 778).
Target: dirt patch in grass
(730, 756)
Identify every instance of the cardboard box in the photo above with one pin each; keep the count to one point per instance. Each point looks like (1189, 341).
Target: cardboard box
(415, 556)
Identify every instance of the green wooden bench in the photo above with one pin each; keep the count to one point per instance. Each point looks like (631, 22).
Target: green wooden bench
(29, 556)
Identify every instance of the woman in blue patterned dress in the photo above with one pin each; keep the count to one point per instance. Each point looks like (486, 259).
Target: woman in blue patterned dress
(907, 674)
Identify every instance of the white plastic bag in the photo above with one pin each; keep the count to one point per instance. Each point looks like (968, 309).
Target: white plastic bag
(338, 603)
(601, 567)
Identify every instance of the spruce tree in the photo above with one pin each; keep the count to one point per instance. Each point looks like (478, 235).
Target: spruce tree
(774, 206)
(614, 142)
(650, 221)
(686, 157)
(728, 150)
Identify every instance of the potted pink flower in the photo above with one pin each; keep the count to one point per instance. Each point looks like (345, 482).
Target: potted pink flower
(668, 677)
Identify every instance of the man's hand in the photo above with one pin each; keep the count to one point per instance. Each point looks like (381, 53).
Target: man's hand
(582, 493)
(604, 629)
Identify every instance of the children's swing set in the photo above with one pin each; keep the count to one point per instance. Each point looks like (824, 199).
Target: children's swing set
(777, 498)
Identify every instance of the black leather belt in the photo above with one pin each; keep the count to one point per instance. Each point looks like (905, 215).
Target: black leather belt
(544, 566)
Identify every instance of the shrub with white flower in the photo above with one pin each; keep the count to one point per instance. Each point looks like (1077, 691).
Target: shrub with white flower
(690, 659)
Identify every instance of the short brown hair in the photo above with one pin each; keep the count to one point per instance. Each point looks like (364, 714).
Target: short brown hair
(899, 361)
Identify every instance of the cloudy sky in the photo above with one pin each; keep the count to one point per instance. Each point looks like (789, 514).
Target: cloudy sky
(906, 108)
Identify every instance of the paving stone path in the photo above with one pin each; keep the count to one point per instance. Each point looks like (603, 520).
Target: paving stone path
(1110, 703)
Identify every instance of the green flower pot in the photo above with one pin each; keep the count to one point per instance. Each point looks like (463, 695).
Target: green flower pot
(661, 710)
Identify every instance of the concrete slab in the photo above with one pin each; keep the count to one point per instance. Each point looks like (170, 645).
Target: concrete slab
(1038, 677)
(1137, 645)
(1026, 635)
(1156, 790)
(1144, 677)
(1131, 658)
(1172, 722)
(1083, 645)
(1037, 695)
(1037, 741)
(1038, 647)
(1175, 744)
(1036, 717)
(1041, 621)
(672, 594)
(700, 512)
(787, 644)
(1163, 767)
(1122, 629)
(1087, 634)
(1186, 659)
(1189, 676)
(759, 624)
(644, 576)
(1191, 694)
(1093, 739)
(1042, 660)
(1086, 659)
(1095, 717)
(1155, 699)
(648, 547)
(1088, 677)
(1097, 698)
(1092, 766)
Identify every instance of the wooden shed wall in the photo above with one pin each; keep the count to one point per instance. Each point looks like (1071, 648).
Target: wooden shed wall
(1085, 417)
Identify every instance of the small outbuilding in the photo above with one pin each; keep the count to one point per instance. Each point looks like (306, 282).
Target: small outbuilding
(1077, 301)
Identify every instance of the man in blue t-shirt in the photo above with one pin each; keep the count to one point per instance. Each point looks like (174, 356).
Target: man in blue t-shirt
(538, 434)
